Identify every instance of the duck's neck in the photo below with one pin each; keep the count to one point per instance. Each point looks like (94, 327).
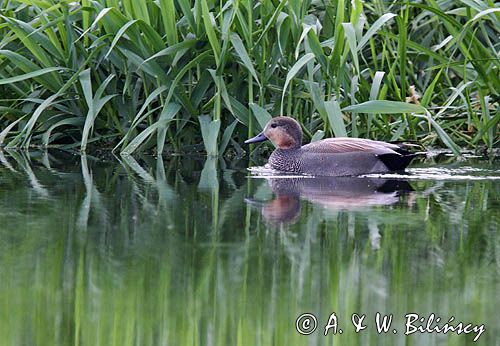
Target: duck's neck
(289, 146)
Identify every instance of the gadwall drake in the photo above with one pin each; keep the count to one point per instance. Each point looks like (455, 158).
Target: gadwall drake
(329, 157)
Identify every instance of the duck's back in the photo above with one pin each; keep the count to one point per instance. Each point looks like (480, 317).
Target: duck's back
(350, 145)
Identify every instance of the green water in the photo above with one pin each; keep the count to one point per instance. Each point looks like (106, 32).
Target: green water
(187, 252)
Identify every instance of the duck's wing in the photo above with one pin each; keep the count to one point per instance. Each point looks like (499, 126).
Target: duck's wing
(348, 145)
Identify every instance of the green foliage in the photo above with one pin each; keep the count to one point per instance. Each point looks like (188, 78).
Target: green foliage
(86, 73)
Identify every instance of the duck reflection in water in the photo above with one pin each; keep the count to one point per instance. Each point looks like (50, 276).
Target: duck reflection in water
(333, 193)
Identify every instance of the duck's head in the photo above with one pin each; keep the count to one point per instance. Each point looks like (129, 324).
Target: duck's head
(284, 132)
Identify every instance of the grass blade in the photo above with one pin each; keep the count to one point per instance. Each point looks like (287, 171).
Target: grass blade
(335, 118)
(242, 53)
(226, 137)
(168, 113)
(210, 132)
(385, 107)
(209, 23)
(350, 35)
(318, 136)
(261, 115)
(374, 28)
(293, 72)
(168, 15)
(30, 75)
(443, 135)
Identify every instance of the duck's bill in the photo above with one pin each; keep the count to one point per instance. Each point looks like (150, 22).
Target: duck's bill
(259, 138)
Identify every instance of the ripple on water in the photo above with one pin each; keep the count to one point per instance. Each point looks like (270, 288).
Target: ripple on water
(442, 173)
(427, 173)
(267, 172)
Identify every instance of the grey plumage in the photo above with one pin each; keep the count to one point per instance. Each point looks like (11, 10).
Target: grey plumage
(326, 164)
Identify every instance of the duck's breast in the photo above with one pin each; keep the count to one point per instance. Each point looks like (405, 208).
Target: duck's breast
(286, 160)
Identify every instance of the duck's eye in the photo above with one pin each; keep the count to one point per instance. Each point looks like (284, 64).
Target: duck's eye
(274, 126)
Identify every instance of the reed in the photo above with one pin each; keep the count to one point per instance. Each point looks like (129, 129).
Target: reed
(165, 75)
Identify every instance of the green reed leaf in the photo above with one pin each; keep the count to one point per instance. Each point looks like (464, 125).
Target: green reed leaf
(299, 64)
(30, 75)
(385, 107)
(335, 118)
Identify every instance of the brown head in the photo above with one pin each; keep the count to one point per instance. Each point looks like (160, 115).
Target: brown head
(284, 132)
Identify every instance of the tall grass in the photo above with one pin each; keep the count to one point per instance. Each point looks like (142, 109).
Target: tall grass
(164, 75)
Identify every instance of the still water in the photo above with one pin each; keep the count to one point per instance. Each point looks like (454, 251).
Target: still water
(184, 251)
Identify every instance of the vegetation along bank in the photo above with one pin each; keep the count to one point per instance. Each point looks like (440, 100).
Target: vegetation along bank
(165, 75)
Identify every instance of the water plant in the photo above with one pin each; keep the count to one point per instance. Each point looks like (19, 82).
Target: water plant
(166, 75)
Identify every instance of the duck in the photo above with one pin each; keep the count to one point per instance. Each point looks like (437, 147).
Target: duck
(341, 156)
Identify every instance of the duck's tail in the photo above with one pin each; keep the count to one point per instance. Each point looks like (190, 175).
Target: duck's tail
(398, 162)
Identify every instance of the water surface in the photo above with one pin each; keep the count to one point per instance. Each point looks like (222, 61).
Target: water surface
(186, 252)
